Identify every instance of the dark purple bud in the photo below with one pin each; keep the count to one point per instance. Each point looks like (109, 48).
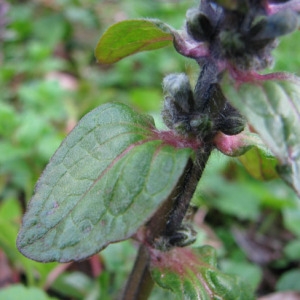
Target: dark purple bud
(230, 121)
(198, 25)
(178, 103)
(178, 88)
(183, 237)
(271, 27)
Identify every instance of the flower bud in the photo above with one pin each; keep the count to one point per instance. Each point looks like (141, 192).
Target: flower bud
(230, 121)
(183, 237)
(169, 112)
(232, 145)
(232, 43)
(177, 87)
(201, 125)
(178, 103)
(182, 128)
(271, 27)
(198, 25)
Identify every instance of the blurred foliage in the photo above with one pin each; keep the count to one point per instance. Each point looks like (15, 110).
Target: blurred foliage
(49, 79)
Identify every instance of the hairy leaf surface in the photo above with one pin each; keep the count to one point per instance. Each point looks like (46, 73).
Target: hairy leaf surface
(193, 274)
(132, 36)
(272, 106)
(107, 179)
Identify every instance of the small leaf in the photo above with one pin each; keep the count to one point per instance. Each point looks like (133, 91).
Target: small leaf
(193, 274)
(106, 180)
(132, 36)
(272, 106)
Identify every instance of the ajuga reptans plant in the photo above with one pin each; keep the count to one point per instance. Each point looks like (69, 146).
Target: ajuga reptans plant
(116, 176)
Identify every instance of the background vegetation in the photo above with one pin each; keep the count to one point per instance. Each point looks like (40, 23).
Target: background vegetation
(49, 79)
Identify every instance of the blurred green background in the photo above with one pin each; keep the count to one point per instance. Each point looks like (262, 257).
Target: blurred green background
(49, 79)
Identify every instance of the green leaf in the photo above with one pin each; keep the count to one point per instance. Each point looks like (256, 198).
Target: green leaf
(289, 281)
(193, 274)
(132, 36)
(107, 178)
(75, 285)
(272, 106)
(21, 292)
(292, 250)
(226, 199)
(259, 161)
(249, 272)
(291, 219)
(9, 216)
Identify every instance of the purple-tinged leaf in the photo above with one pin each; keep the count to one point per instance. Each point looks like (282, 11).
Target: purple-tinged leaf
(252, 153)
(189, 47)
(193, 274)
(108, 177)
(233, 145)
(271, 104)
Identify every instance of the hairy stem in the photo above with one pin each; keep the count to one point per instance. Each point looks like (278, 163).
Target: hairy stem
(140, 282)
(165, 221)
(188, 189)
(169, 217)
